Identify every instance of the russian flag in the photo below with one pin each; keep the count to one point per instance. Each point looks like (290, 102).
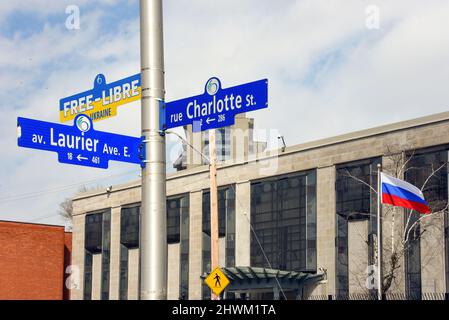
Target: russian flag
(402, 194)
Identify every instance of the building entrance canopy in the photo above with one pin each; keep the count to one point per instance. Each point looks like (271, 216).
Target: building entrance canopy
(246, 279)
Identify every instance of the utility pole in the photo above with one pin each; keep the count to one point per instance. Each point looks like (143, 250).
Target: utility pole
(153, 238)
(213, 205)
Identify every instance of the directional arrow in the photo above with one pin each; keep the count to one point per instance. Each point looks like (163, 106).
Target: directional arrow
(81, 158)
(80, 143)
(209, 120)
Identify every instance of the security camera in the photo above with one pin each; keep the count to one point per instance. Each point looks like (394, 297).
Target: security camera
(281, 137)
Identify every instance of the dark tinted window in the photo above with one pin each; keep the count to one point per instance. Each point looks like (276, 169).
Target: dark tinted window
(184, 250)
(221, 212)
(355, 200)
(173, 219)
(426, 169)
(226, 228)
(129, 226)
(94, 232)
(283, 217)
(105, 256)
(123, 286)
(87, 275)
(97, 241)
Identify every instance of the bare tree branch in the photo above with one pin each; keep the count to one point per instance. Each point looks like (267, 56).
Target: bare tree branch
(348, 174)
(432, 174)
(421, 218)
(399, 166)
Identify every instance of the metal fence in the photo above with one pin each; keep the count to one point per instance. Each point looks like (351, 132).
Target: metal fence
(388, 296)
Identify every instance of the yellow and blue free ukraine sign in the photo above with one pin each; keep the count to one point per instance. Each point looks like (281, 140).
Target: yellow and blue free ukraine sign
(102, 101)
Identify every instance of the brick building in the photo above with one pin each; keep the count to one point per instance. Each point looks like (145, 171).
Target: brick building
(33, 259)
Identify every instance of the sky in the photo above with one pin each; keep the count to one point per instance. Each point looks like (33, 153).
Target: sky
(334, 66)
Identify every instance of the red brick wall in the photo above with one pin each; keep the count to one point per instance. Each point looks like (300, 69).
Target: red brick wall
(31, 261)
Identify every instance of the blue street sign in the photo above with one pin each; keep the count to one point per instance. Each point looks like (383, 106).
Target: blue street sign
(216, 107)
(79, 144)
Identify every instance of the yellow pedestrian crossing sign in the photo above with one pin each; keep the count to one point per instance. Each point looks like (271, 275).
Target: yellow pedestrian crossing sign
(217, 281)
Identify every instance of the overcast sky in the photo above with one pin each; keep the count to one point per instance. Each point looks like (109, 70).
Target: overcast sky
(328, 73)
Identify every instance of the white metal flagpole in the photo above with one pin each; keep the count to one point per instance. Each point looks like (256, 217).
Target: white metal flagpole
(379, 232)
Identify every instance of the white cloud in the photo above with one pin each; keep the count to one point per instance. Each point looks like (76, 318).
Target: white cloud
(328, 74)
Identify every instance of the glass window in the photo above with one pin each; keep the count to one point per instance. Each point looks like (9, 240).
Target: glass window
(222, 205)
(230, 227)
(123, 285)
(173, 219)
(97, 240)
(129, 239)
(355, 200)
(105, 256)
(353, 195)
(93, 243)
(184, 250)
(129, 226)
(283, 216)
(420, 172)
(178, 232)
(446, 237)
(93, 232)
(87, 275)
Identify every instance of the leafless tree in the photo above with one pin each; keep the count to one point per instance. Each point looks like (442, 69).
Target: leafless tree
(65, 209)
(401, 239)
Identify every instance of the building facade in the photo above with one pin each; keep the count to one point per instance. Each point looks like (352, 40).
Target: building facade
(33, 261)
(310, 209)
(232, 144)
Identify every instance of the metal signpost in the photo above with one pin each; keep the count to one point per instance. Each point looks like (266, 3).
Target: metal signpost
(153, 232)
(79, 144)
(217, 106)
(102, 101)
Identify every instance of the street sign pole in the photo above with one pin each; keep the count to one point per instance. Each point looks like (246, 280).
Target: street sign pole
(153, 239)
(214, 253)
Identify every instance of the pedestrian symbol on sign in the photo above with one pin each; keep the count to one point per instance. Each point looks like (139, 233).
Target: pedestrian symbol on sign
(217, 281)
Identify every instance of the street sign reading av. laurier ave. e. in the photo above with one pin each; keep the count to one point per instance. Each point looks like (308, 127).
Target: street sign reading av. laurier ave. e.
(217, 106)
(79, 144)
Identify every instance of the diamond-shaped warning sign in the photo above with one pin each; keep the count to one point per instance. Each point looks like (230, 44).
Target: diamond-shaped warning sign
(217, 281)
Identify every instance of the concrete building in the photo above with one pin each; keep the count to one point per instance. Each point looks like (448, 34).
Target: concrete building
(33, 261)
(307, 214)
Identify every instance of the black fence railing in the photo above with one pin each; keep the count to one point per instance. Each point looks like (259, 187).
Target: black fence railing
(388, 296)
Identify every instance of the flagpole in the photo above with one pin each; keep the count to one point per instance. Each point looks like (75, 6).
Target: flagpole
(379, 232)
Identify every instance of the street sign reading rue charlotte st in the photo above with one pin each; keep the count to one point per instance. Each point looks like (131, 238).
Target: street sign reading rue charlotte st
(217, 106)
(79, 144)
